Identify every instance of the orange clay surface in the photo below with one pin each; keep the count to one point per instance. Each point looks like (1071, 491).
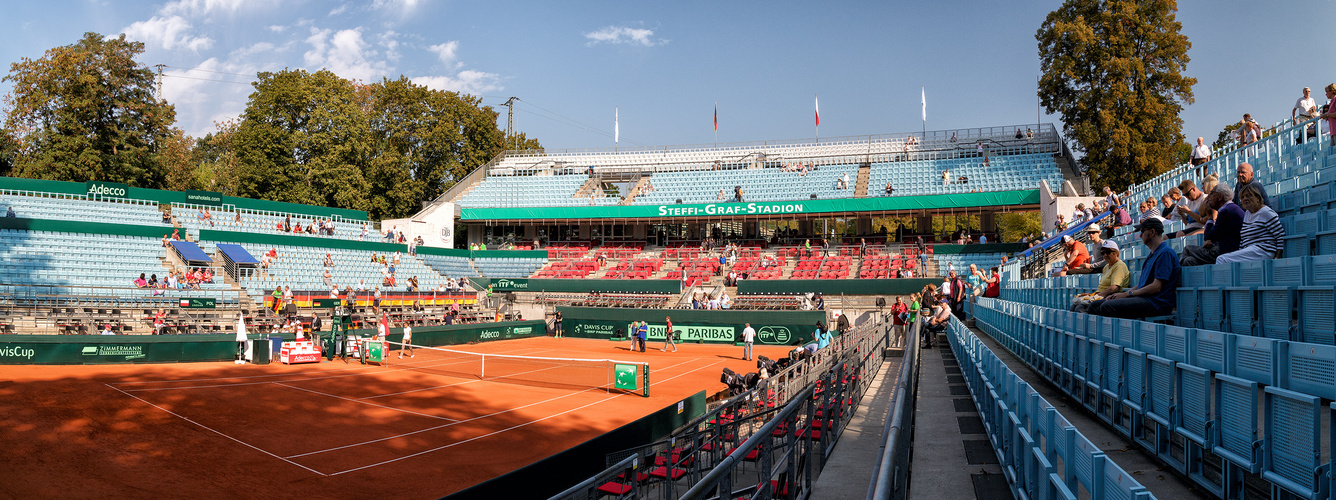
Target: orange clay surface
(219, 430)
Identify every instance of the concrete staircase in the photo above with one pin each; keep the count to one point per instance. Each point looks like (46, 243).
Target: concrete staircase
(860, 187)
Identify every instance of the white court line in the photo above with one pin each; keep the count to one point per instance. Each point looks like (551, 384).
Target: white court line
(475, 438)
(511, 352)
(365, 370)
(495, 413)
(177, 415)
(365, 403)
(443, 425)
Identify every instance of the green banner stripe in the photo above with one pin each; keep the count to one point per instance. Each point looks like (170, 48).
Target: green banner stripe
(730, 210)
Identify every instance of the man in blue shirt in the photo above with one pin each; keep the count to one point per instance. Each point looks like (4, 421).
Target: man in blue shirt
(1160, 276)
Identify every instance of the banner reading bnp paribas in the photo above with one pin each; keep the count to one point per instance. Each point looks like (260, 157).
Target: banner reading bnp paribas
(714, 334)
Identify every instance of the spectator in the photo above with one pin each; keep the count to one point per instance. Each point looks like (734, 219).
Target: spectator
(1115, 278)
(1160, 277)
(1201, 153)
(141, 282)
(889, 189)
(1305, 108)
(983, 239)
(822, 335)
(953, 137)
(993, 288)
(941, 315)
(166, 216)
(1029, 134)
(328, 279)
(1191, 212)
(1245, 177)
(1148, 209)
(946, 177)
(1078, 213)
(1096, 263)
(1019, 135)
(106, 330)
(159, 321)
(1060, 225)
(1329, 113)
(959, 293)
(1222, 234)
(1076, 254)
(1262, 235)
(329, 260)
(899, 321)
(1111, 198)
(976, 281)
(364, 231)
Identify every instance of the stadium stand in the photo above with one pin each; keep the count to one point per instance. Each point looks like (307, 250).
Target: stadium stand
(767, 184)
(1231, 393)
(251, 221)
(1005, 171)
(38, 205)
(531, 191)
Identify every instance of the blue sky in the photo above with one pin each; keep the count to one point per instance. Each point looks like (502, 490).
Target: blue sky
(665, 64)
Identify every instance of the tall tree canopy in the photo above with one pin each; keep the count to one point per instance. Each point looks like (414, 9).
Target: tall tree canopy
(87, 111)
(385, 148)
(1113, 70)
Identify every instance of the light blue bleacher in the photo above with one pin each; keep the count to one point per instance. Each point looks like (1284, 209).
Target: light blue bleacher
(450, 266)
(532, 191)
(302, 268)
(491, 267)
(984, 261)
(758, 184)
(1003, 173)
(89, 264)
(265, 223)
(135, 212)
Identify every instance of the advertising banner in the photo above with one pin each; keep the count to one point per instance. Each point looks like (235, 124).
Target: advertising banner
(714, 334)
(204, 198)
(100, 189)
(115, 349)
(625, 377)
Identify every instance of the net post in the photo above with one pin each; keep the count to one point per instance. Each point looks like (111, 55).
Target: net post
(482, 367)
(645, 382)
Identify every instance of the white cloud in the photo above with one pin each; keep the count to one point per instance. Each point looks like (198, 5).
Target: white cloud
(205, 7)
(169, 33)
(277, 28)
(344, 53)
(390, 40)
(624, 35)
(467, 82)
(258, 48)
(446, 52)
(339, 10)
(402, 6)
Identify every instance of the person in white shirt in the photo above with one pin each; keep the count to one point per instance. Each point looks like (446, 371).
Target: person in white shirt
(1201, 154)
(748, 337)
(1304, 108)
(334, 292)
(106, 330)
(408, 342)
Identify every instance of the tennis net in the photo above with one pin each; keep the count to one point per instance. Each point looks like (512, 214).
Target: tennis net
(607, 374)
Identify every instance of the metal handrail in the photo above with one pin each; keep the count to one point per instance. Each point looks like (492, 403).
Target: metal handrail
(888, 479)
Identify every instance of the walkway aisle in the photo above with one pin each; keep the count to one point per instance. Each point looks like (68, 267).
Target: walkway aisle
(850, 468)
(951, 455)
(1164, 484)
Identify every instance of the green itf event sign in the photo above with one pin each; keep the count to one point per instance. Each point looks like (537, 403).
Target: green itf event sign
(375, 352)
(199, 303)
(624, 377)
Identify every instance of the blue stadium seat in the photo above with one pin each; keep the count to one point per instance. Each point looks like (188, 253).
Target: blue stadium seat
(1236, 422)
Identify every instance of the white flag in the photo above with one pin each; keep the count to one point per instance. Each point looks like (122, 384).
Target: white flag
(616, 125)
(923, 99)
(816, 101)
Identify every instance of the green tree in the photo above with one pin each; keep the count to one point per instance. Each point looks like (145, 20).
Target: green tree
(1011, 227)
(1113, 70)
(177, 162)
(302, 139)
(87, 111)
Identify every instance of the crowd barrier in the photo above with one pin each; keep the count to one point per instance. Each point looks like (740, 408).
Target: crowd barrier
(766, 442)
(1041, 454)
(1240, 415)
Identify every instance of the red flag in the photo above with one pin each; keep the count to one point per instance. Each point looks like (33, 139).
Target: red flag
(384, 326)
(716, 117)
(818, 110)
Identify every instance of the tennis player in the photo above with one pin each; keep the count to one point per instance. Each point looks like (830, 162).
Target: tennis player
(408, 342)
(668, 335)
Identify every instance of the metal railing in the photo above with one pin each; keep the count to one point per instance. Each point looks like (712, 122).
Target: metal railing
(770, 439)
(891, 479)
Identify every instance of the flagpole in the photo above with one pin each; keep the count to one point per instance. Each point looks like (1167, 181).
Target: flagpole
(817, 100)
(716, 124)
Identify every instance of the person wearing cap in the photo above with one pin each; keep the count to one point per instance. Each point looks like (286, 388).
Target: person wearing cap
(1114, 278)
(1160, 277)
(1096, 263)
(1077, 255)
(1222, 234)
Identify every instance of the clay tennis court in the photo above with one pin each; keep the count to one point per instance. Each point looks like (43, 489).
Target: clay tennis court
(327, 430)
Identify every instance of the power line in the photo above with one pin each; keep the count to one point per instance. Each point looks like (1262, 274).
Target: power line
(559, 118)
(169, 75)
(252, 75)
